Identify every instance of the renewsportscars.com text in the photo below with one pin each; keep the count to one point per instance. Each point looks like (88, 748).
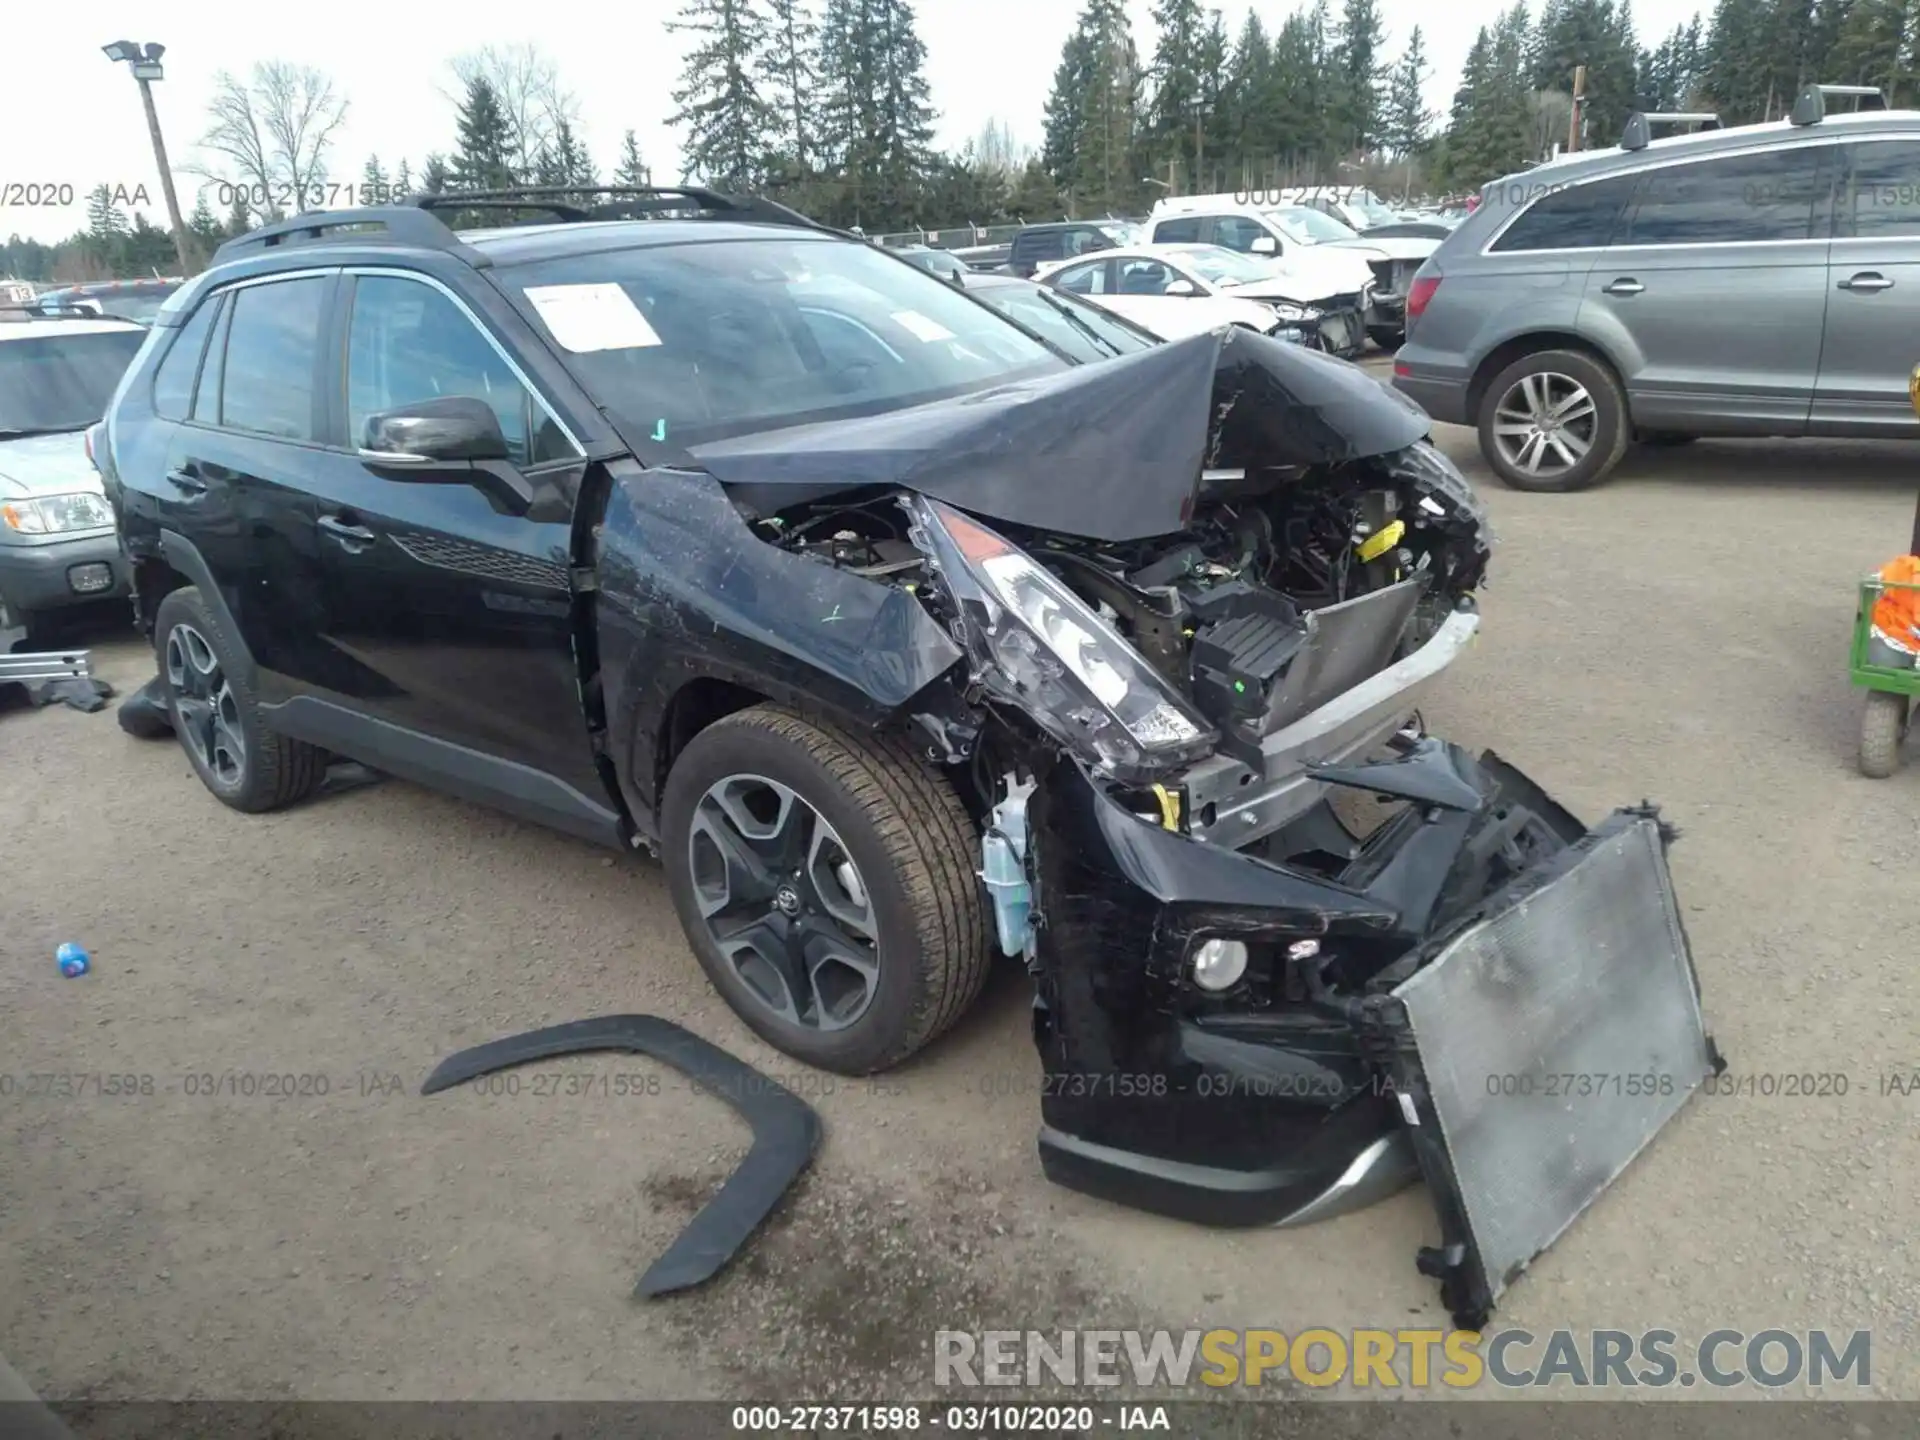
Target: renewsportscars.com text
(1404, 1359)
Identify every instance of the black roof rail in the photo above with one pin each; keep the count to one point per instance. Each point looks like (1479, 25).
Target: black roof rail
(68, 312)
(1640, 124)
(405, 224)
(1811, 107)
(574, 204)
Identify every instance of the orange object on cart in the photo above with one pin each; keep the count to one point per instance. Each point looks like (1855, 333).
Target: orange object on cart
(1896, 614)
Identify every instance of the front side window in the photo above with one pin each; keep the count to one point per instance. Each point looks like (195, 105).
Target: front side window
(272, 342)
(1882, 194)
(1177, 232)
(1579, 217)
(1084, 279)
(1237, 232)
(1765, 196)
(408, 342)
(56, 382)
(701, 340)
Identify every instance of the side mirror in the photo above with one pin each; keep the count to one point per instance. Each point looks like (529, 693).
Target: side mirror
(1181, 287)
(1264, 245)
(449, 429)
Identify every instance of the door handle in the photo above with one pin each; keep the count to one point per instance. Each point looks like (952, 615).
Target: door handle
(1625, 285)
(346, 532)
(185, 480)
(1866, 281)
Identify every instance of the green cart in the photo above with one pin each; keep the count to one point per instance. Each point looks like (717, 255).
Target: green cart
(1892, 682)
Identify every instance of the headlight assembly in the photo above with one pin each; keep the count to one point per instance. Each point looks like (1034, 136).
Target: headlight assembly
(57, 514)
(1294, 314)
(1030, 635)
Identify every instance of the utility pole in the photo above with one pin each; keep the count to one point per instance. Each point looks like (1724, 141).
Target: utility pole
(1579, 96)
(144, 61)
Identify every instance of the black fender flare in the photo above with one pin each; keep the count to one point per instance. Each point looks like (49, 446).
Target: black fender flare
(181, 554)
(786, 1130)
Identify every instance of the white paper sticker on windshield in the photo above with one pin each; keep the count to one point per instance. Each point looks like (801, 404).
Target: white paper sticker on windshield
(919, 325)
(592, 317)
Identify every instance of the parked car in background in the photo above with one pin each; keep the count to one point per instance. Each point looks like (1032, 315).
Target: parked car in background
(121, 299)
(1037, 245)
(58, 550)
(1077, 328)
(940, 263)
(1184, 289)
(1758, 280)
(1358, 208)
(1300, 238)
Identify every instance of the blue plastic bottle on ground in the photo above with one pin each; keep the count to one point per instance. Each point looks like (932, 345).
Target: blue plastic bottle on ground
(73, 960)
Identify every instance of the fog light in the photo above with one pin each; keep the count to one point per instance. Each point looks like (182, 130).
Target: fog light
(1219, 964)
(86, 579)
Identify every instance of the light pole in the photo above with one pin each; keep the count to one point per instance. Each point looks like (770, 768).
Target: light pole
(144, 61)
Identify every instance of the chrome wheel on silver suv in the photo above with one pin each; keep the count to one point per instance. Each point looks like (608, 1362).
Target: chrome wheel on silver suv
(1555, 420)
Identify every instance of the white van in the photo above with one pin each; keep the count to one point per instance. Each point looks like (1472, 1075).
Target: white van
(1300, 237)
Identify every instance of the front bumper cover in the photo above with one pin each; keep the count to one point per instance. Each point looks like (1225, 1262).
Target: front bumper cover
(1314, 1086)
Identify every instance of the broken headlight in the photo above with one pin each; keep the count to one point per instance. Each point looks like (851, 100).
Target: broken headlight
(1053, 654)
(1292, 313)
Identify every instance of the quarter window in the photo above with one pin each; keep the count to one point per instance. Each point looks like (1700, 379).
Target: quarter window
(1085, 279)
(1145, 277)
(408, 343)
(271, 344)
(173, 381)
(1578, 218)
(1764, 196)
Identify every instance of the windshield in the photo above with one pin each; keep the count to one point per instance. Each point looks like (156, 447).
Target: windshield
(1309, 226)
(1082, 330)
(61, 382)
(693, 342)
(1221, 266)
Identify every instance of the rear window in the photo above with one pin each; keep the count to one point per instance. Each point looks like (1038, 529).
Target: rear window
(62, 382)
(1177, 232)
(696, 342)
(1579, 217)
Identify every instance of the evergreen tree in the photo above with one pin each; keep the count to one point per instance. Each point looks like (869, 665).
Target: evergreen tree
(1739, 70)
(1106, 161)
(1176, 123)
(1875, 47)
(375, 187)
(205, 229)
(730, 124)
(877, 122)
(1358, 62)
(239, 219)
(1035, 197)
(402, 180)
(1301, 95)
(484, 142)
(631, 169)
(1066, 107)
(1241, 121)
(1407, 120)
(436, 176)
(790, 73)
(1214, 54)
(1599, 35)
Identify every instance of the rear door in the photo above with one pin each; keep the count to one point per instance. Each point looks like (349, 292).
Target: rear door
(1713, 295)
(450, 612)
(1873, 294)
(239, 467)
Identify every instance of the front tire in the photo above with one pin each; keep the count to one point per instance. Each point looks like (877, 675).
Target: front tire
(1388, 338)
(1554, 422)
(826, 882)
(216, 717)
(1883, 726)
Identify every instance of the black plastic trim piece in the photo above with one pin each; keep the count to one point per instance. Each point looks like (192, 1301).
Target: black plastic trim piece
(786, 1130)
(184, 556)
(472, 775)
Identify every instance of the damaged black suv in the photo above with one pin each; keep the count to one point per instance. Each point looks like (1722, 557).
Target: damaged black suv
(674, 520)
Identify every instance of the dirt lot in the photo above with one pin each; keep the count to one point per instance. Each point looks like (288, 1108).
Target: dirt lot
(1679, 634)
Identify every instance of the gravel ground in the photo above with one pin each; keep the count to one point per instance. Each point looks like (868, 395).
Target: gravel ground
(1679, 634)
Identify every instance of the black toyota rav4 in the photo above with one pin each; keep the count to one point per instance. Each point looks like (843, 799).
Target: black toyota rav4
(679, 522)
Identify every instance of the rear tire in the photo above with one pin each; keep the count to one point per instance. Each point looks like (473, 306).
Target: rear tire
(805, 860)
(1883, 726)
(216, 718)
(1583, 398)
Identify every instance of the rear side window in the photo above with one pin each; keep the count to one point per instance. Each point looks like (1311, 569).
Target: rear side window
(1177, 232)
(1037, 245)
(173, 381)
(272, 341)
(1768, 196)
(1882, 196)
(1579, 217)
(206, 400)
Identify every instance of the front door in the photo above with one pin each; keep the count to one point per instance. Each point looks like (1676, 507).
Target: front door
(1715, 286)
(452, 608)
(1873, 295)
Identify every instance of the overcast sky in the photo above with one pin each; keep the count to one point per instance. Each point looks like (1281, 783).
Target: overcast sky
(70, 116)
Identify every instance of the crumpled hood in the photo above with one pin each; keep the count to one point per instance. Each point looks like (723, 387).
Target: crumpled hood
(46, 465)
(1308, 274)
(1109, 452)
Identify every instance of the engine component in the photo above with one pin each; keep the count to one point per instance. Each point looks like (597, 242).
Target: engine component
(1244, 639)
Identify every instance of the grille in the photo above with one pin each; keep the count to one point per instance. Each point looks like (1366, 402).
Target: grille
(1557, 1037)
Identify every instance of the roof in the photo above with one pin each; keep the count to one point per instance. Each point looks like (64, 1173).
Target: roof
(524, 244)
(40, 329)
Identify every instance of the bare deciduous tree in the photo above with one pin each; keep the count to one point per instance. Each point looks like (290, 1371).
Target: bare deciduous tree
(270, 135)
(526, 81)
